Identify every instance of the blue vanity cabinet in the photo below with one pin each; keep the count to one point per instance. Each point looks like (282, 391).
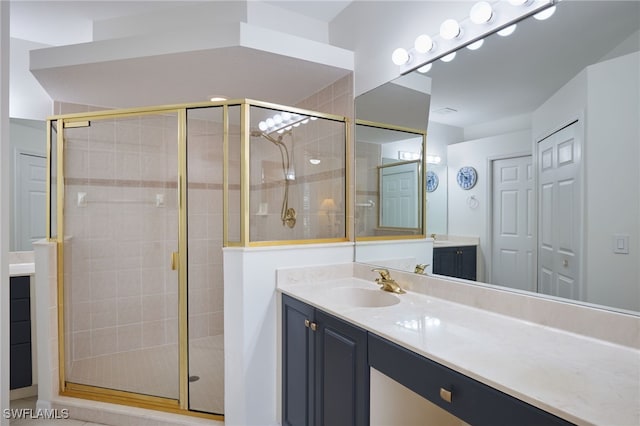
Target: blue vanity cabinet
(325, 373)
(465, 398)
(457, 262)
(20, 374)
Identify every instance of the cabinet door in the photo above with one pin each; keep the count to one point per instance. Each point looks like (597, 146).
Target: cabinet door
(20, 360)
(342, 381)
(445, 261)
(467, 259)
(298, 352)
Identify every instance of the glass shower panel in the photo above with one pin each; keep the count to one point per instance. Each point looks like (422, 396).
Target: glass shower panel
(234, 172)
(298, 175)
(205, 135)
(120, 227)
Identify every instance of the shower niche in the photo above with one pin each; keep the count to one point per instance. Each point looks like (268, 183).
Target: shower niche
(141, 203)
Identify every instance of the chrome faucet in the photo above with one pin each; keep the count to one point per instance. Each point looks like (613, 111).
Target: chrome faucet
(420, 267)
(386, 282)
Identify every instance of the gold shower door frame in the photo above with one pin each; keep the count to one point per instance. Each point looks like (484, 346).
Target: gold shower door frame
(60, 122)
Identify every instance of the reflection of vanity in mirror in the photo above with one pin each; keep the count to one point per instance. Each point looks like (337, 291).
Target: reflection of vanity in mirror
(548, 120)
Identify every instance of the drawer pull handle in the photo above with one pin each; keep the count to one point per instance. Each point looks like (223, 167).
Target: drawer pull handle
(314, 326)
(445, 395)
(307, 323)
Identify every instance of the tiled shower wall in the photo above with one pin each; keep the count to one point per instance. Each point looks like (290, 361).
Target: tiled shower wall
(121, 293)
(321, 139)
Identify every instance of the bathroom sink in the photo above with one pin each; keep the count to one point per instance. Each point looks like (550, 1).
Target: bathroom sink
(363, 297)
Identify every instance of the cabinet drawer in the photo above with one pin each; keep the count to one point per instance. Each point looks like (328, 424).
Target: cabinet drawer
(20, 310)
(20, 359)
(20, 332)
(470, 400)
(19, 287)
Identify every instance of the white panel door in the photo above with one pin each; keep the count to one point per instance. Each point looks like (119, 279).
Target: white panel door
(31, 200)
(399, 193)
(560, 214)
(512, 252)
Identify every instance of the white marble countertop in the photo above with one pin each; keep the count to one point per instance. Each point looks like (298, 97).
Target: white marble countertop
(578, 378)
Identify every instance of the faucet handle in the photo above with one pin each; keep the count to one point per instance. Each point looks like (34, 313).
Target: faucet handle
(420, 267)
(384, 273)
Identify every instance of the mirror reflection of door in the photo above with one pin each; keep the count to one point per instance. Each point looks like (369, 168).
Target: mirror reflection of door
(400, 195)
(513, 223)
(31, 200)
(560, 213)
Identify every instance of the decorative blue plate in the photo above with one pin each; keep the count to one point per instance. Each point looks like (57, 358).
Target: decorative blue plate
(467, 177)
(432, 181)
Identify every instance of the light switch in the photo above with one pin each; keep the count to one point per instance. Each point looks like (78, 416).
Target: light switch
(159, 200)
(621, 244)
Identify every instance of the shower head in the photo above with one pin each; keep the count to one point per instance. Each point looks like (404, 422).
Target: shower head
(258, 133)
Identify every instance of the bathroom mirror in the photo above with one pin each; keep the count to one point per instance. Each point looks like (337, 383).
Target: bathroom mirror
(507, 101)
(390, 139)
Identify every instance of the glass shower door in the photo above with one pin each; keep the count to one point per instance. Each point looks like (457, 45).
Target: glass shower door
(121, 215)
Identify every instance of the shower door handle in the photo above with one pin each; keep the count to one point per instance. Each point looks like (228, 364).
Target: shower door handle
(175, 260)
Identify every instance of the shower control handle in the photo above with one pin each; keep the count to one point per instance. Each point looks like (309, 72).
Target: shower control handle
(175, 260)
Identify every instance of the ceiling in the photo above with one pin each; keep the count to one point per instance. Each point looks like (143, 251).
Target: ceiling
(185, 74)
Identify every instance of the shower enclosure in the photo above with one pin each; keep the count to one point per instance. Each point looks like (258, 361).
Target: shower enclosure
(141, 203)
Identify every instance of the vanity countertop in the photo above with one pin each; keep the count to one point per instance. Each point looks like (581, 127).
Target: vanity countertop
(578, 378)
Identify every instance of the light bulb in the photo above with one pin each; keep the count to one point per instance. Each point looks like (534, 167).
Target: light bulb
(314, 161)
(507, 31)
(262, 126)
(518, 2)
(400, 56)
(449, 57)
(277, 118)
(423, 43)
(425, 68)
(476, 45)
(305, 121)
(270, 122)
(545, 14)
(450, 29)
(481, 13)
(313, 118)
(286, 116)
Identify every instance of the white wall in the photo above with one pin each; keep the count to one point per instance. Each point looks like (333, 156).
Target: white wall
(28, 99)
(397, 254)
(4, 209)
(462, 219)
(251, 336)
(612, 156)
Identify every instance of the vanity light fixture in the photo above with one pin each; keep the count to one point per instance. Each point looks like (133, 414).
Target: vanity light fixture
(424, 44)
(425, 68)
(408, 155)
(481, 13)
(545, 14)
(505, 32)
(450, 29)
(400, 56)
(433, 159)
(283, 122)
(476, 45)
(315, 161)
(449, 57)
